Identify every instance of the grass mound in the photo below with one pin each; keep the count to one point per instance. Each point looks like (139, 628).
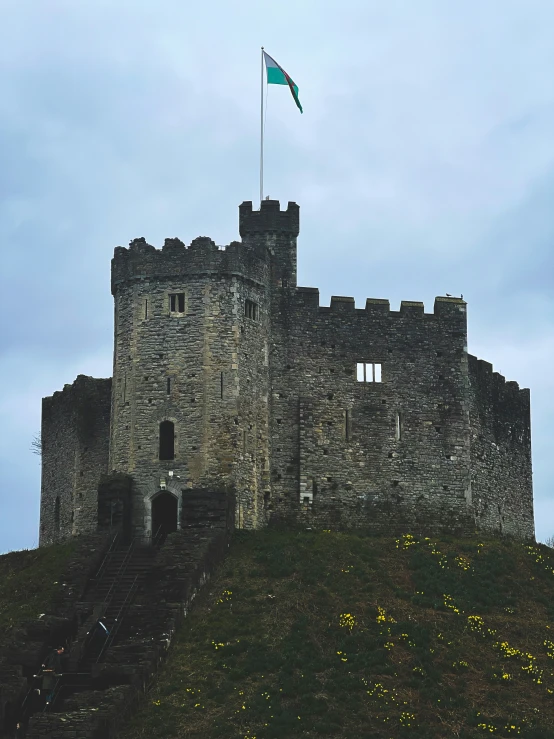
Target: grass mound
(28, 581)
(337, 635)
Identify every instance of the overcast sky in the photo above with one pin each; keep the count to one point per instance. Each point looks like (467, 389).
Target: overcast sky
(423, 164)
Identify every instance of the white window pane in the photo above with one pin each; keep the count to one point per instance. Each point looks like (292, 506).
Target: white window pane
(369, 373)
(360, 372)
(377, 373)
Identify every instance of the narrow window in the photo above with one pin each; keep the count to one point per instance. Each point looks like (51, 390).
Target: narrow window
(57, 515)
(398, 427)
(146, 308)
(360, 372)
(177, 302)
(251, 310)
(167, 440)
(168, 385)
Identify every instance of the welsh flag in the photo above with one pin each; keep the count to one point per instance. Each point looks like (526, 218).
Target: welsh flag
(276, 75)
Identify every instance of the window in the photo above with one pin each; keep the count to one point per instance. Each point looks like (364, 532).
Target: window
(347, 419)
(398, 427)
(251, 310)
(177, 302)
(57, 515)
(368, 372)
(167, 440)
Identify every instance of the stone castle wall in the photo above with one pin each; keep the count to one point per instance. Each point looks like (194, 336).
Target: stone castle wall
(261, 385)
(501, 467)
(75, 434)
(344, 448)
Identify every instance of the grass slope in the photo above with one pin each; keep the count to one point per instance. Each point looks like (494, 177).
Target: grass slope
(336, 635)
(29, 580)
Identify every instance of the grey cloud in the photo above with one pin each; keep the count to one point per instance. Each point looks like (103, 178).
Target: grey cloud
(423, 164)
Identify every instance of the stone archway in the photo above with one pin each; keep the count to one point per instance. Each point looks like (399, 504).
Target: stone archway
(164, 514)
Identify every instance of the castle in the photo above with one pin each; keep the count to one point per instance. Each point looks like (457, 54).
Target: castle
(229, 378)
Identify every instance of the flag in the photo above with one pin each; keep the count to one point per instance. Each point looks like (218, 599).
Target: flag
(276, 75)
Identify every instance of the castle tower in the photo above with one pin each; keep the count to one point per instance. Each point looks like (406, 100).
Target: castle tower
(190, 397)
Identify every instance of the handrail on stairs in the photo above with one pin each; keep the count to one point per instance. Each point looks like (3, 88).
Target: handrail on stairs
(118, 619)
(104, 562)
(123, 567)
(157, 536)
(118, 575)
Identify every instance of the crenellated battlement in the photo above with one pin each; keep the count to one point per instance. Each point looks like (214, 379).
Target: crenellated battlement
(491, 380)
(141, 261)
(269, 219)
(443, 307)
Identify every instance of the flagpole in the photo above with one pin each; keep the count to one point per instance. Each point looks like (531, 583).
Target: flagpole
(262, 132)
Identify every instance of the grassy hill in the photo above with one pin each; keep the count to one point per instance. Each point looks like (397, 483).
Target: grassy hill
(336, 635)
(29, 580)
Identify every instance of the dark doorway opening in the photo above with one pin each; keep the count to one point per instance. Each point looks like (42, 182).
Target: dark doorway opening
(164, 515)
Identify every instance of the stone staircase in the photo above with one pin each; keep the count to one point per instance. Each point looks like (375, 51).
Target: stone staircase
(124, 578)
(149, 593)
(142, 593)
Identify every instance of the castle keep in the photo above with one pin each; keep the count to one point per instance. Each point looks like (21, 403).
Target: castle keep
(229, 379)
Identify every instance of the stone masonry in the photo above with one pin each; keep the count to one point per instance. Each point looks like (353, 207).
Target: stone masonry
(230, 377)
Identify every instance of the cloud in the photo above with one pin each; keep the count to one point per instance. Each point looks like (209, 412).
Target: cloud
(423, 164)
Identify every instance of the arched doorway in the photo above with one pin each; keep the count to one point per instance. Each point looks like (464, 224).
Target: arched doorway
(164, 514)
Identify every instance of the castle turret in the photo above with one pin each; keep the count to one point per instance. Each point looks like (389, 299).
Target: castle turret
(191, 364)
(276, 230)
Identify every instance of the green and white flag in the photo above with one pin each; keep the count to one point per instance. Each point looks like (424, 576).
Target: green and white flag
(276, 75)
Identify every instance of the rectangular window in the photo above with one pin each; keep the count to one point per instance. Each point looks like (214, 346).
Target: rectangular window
(146, 308)
(251, 310)
(167, 440)
(368, 372)
(177, 302)
(398, 427)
